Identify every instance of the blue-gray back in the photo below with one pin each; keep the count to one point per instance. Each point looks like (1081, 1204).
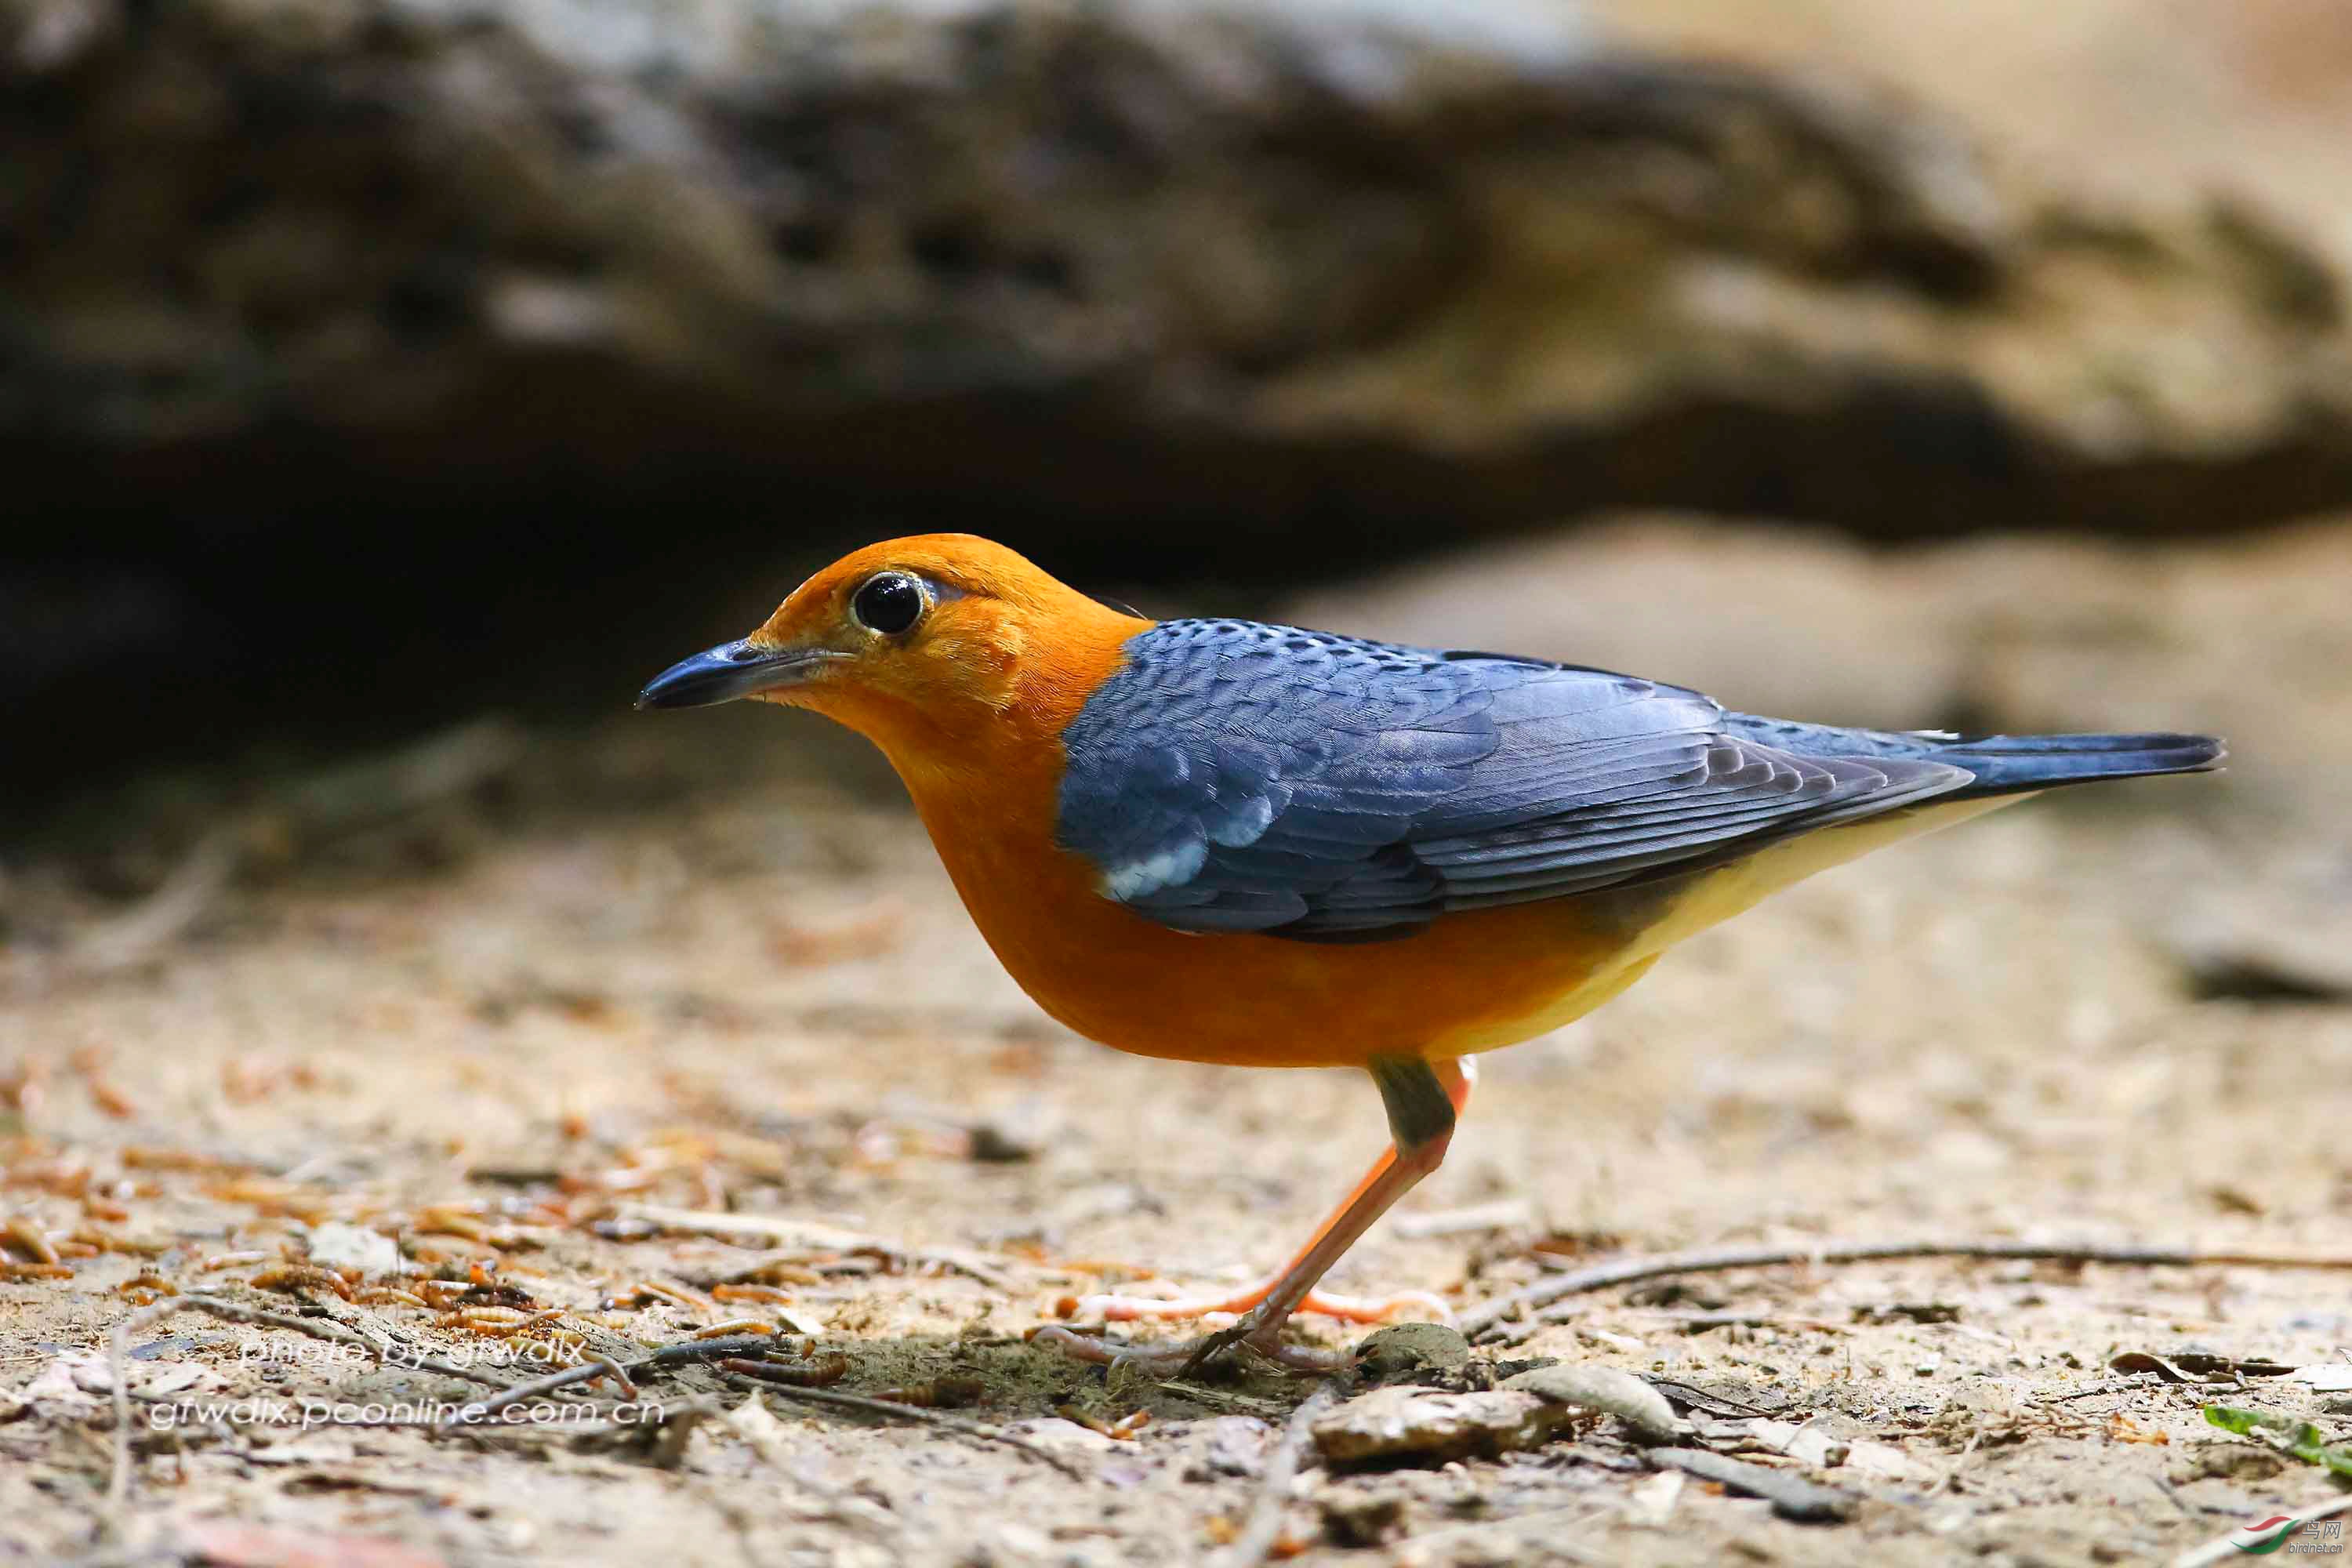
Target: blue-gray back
(1239, 777)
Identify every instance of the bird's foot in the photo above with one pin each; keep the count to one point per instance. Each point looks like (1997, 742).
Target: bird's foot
(1259, 1330)
(1348, 1308)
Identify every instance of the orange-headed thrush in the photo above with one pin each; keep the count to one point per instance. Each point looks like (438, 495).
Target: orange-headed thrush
(1225, 841)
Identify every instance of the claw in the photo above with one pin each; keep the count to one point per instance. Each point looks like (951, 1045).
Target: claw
(1208, 1347)
(1117, 1309)
(1188, 1357)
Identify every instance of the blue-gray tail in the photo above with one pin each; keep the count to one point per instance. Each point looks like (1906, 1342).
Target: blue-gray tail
(2003, 764)
(2007, 764)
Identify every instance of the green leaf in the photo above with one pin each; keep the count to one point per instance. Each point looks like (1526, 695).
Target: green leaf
(2300, 1438)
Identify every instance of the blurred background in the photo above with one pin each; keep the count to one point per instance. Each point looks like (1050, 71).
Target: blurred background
(389, 387)
(370, 365)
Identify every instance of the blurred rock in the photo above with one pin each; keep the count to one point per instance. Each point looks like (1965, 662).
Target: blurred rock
(1402, 1350)
(2288, 941)
(1236, 1445)
(1610, 1390)
(2146, 101)
(1359, 1521)
(1142, 263)
(1407, 1424)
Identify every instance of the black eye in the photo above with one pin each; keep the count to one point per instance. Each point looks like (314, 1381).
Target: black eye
(889, 603)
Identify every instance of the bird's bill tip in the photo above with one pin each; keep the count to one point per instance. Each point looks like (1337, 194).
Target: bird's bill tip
(722, 674)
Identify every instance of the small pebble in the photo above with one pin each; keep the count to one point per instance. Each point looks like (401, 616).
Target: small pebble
(1416, 1425)
(1606, 1389)
(1403, 1348)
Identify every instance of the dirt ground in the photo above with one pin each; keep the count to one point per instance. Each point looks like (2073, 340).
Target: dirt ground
(460, 1014)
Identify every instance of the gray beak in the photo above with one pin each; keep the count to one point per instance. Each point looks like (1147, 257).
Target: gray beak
(731, 670)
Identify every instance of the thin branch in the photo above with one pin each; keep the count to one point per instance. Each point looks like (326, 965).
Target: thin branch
(1256, 1541)
(1792, 1497)
(702, 1349)
(1202, 1395)
(483, 1409)
(1483, 1319)
(594, 1367)
(761, 1374)
(402, 1354)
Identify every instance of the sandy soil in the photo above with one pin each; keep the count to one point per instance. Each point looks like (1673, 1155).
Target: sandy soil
(486, 999)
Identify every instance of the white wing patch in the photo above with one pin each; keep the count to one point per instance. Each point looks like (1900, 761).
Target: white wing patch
(1169, 868)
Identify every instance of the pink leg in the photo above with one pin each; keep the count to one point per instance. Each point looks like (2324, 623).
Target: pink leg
(1422, 1132)
(1114, 1309)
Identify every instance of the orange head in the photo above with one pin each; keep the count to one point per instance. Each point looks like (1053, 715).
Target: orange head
(933, 646)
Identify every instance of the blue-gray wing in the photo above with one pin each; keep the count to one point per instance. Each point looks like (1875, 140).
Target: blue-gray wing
(1237, 778)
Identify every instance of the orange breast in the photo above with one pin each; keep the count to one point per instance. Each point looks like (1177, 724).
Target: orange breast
(1469, 983)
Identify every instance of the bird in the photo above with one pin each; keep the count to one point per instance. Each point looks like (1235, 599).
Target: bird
(1221, 840)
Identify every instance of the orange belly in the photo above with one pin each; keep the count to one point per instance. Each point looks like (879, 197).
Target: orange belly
(1469, 983)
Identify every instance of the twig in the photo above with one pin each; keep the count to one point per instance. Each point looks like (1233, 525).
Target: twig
(402, 1354)
(780, 1230)
(1700, 1322)
(333, 1330)
(1700, 1400)
(483, 1409)
(2107, 1385)
(1202, 1395)
(385, 1350)
(2222, 1550)
(757, 1373)
(597, 1366)
(1628, 1270)
(1257, 1541)
(1791, 1496)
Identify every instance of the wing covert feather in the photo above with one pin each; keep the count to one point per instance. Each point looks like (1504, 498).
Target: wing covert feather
(1236, 777)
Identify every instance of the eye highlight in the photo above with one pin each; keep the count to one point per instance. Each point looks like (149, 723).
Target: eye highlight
(889, 603)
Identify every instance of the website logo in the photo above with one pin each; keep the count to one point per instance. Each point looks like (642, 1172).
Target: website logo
(2284, 1532)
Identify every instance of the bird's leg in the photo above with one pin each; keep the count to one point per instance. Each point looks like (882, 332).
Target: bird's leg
(1349, 1309)
(1423, 1100)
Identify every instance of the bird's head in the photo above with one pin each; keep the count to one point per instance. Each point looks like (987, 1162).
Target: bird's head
(918, 643)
